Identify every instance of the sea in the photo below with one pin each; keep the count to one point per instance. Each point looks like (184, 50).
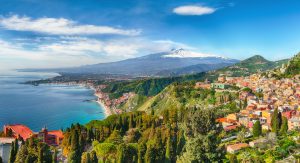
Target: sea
(46, 105)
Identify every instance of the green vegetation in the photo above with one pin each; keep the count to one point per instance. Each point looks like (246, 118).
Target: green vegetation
(147, 87)
(139, 137)
(257, 130)
(14, 151)
(293, 67)
(33, 151)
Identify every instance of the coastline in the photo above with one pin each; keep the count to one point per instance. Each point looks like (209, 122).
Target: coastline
(107, 110)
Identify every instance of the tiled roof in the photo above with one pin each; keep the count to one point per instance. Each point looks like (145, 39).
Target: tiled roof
(21, 130)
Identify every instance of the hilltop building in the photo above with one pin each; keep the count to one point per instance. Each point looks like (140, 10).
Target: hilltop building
(23, 132)
(18, 131)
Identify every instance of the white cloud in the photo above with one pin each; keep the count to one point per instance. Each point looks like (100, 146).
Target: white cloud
(59, 26)
(73, 46)
(193, 10)
(70, 51)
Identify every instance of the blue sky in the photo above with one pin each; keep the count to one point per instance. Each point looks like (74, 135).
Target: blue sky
(61, 33)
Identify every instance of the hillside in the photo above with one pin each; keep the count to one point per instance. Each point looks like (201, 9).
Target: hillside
(292, 68)
(151, 87)
(249, 66)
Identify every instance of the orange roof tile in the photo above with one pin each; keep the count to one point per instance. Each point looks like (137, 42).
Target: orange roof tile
(21, 130)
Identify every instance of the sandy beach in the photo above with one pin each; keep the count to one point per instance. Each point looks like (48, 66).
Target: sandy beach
(106, 109)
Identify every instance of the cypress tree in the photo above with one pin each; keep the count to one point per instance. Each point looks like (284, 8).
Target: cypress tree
(284, 126)
(54, 156)
(16, 144)
(12, 153)
(180, 142)
(150, 155)
(274, 121)
(121, 153)
(257, 130)
(245, 103)
(279, 117)
(130, 121)
(75, 155)
(168, 151)
(40, 154)
(141, 152)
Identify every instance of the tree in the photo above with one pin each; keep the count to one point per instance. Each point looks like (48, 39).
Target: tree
(203, 143)
(40, 156)
(245, 103)
(168, 150)
(257, 130)
(75, 155)
(150, 154)
(44, 153)
(276, 121)
(232, 158)
(1, 160)
(284, 126)
(94, 158)
(121, 153)
(141, 152)
(13, 151)
(241, 135)
(54, 156)
(85, 158)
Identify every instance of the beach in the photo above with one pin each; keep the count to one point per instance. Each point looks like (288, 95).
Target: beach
(107, 110)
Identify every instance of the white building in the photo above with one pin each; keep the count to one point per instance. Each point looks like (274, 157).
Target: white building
(5, 145)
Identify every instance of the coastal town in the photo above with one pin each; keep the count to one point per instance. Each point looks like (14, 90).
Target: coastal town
(262, 96)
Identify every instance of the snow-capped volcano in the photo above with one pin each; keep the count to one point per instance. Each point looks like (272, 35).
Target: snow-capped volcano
(182, 53)
(178, 61)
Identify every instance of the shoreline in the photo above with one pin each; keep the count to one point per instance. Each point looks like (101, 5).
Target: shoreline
(107, 110)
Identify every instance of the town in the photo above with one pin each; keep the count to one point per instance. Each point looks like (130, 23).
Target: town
(262, 96)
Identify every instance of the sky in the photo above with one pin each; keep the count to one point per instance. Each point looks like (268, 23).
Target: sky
(66, 33)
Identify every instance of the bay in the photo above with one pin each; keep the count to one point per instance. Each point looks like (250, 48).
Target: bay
(46, 105)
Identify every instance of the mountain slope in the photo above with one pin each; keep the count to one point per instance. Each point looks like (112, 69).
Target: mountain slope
(289, 69)
(293, 66)
(249, 66)
(155, 64)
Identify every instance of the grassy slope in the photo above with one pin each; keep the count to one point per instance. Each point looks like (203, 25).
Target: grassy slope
(152, 91)
(249, 66)
(293, 67)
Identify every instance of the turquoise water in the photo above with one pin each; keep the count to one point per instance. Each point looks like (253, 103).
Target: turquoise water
(53, 106)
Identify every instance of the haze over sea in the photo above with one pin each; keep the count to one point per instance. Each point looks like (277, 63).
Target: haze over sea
(53, 106)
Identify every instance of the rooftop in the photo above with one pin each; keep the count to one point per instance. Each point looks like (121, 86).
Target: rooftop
(21, 130)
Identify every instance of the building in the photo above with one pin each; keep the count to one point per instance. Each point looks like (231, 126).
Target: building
(220, 86)
(260, 143)
(236, 147)
(18, 131)
(50, 137)
(294, 123)
(54, 137)
(5, 147)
